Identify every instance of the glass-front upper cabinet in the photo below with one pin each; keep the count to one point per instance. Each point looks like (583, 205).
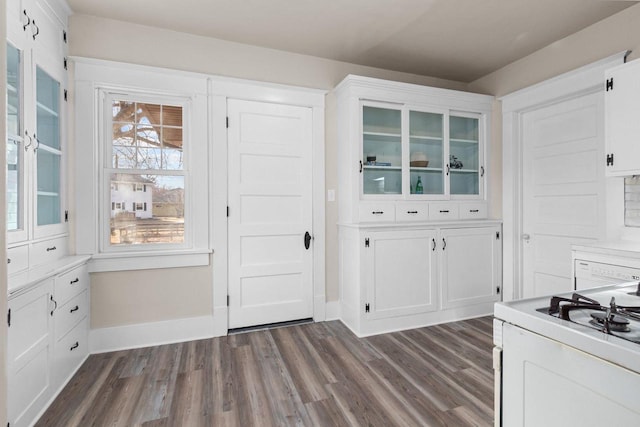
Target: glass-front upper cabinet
(15, 154)
(426, 153)
(381, 150)
(420, 154)
(464, 154)
(48, 149)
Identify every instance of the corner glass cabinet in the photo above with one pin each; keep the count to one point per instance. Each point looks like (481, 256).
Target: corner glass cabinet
(421, 154)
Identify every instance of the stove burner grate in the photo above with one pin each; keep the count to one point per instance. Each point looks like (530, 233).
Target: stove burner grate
(616, 323)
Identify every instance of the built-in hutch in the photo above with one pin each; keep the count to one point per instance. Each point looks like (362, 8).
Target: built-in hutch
(416, 246)
(48, 300)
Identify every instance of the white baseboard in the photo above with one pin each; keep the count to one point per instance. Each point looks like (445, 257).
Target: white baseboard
(332, 310)
(149, 334)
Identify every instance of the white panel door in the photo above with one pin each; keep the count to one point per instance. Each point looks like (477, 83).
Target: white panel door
(563, 189)
(270, 212)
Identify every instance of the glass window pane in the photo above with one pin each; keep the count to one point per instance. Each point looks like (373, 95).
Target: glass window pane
(48, 191)
(464, 154)
(172, 159)
(146, 209)
(149, 158)
(123, 134)
(172, 137)
(124, 157)
(123, 111)
(13, 91)
(148, 136)
(148, 114)
(48, 108)
(171, 116)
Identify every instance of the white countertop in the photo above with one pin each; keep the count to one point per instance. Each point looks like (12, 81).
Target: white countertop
(616, 350)
(619, 248)
(22, 281)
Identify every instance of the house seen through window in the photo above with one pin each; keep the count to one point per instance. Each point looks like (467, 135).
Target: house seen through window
(146, 174)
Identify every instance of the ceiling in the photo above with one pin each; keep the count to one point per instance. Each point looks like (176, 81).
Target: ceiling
(453, 39)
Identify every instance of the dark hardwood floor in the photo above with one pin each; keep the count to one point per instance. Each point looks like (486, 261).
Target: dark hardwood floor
(316, 374)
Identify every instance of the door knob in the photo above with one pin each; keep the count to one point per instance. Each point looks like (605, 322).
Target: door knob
(526, 237)
(307, 240)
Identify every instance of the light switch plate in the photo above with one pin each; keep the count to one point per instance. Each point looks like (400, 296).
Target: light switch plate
(331, 195)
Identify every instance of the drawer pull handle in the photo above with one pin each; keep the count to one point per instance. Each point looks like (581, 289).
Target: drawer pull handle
(76, 280)
(76, 345)
(412, 212)
(52, 248)
(377, 212)
(474, 210)
(76, 308)
(55, 307)
(444, 211)
(434, 244)
(8, 260)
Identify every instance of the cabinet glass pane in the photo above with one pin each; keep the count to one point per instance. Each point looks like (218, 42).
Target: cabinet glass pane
(48, 109)
(426, 154)
(464, 152)
(382, 150)
(48, 192)
(14, 154)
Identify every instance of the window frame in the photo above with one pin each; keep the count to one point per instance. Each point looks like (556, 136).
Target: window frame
(106, 168)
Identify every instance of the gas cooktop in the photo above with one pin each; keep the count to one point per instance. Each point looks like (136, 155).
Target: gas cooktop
(613, 312)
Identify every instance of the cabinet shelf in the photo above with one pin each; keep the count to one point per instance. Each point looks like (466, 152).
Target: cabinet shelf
(386, 168)
(46, 109)
(416, 169)
(463, 171)
(382, 134)
(464, 141)
(426, 138)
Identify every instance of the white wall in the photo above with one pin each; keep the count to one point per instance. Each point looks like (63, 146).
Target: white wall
(162, 297)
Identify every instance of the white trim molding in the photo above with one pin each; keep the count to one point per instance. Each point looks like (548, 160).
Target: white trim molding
(579, 82)
(149, 334)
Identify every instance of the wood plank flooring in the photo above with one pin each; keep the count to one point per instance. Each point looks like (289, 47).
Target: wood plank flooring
(317, 374)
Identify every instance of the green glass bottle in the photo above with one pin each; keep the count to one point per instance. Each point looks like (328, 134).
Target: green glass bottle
(419, 186)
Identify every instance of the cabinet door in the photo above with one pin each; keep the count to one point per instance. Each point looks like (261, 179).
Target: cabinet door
(381, 149)
(400, 273)
(426, 153)
(48, 197)
(15, 189)
(470, 272)
(622, 127)
(29, 354)
(465, 167)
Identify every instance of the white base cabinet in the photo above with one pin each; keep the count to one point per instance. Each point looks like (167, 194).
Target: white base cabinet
(401, 277)
(48, 338)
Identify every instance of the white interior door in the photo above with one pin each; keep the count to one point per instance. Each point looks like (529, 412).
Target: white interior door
(270, 212)
(563, 189)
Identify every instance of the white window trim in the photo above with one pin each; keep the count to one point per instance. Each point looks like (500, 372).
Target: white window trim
(95, 79)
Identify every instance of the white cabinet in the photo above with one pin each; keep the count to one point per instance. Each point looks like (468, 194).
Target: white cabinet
(30, 349)
(400, 273)
(470, 266)
(36, 119)
(48, 340)
(406, 276)
(402, 143)
(622, 119)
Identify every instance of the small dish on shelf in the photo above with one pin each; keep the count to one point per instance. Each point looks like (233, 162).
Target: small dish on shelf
(419, 163)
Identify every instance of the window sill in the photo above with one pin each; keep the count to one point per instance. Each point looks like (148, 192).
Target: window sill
(127, 261)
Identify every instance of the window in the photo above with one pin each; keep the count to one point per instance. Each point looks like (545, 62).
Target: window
(14, 139)
(145, 170)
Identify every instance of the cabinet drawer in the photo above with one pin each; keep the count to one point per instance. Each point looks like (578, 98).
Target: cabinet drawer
(374, 212)
(48, 251)
(70, 314)
(71, 283)
(443, 211)
(17, 259)
(412, 212)
(473, 210)
(70, 351)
